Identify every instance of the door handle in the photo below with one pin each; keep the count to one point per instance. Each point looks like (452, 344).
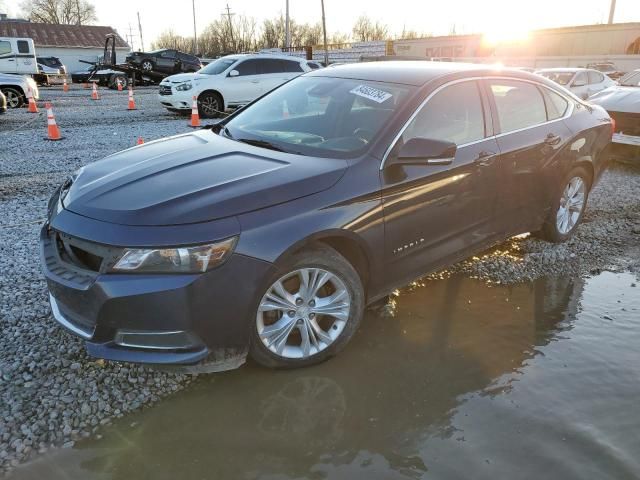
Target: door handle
(440, 161)
(552, 139)
(255, 81)
(485, 159)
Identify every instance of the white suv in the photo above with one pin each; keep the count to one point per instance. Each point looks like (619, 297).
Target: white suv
(229, 82)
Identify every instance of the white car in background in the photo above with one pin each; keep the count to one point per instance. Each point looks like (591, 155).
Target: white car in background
(622, 103)
(583, 82)
(229, 82)
(15, 88)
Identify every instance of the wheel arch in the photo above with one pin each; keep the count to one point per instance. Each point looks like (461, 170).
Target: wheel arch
(586, 162)
(346, 243)
(15, 87)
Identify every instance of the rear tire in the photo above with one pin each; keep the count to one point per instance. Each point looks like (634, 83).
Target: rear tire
(147, 65)
(304, 335)
(568, 207)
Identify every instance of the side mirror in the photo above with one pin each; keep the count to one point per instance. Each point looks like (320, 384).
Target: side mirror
(420, 151)
(234, 73)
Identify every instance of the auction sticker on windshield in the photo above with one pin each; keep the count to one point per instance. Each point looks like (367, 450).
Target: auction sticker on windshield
(371, 93)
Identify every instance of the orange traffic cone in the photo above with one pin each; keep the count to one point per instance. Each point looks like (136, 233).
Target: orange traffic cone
(33, 108)
(140, 141)
(94, 92)
(65, 86)
(53, 132)
(119, 85)
(132, 103)
(195, 116)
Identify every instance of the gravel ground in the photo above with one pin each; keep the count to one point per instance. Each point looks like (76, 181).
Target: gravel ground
(52, 393)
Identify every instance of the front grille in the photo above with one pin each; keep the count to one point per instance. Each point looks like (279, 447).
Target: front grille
(165, 90)
(79, 278)
(70, 252)
(627, 123)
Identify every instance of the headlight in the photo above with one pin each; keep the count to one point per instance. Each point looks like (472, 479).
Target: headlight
(175, 260)
(183, 87)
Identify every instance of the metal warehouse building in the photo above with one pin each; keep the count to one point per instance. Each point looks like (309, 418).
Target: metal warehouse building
(70, 43)
(562, 47)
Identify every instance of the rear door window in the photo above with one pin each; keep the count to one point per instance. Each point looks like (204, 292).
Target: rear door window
(269, 65)
(581, 79)
(519, 104)
(454, 114)
(595, 77)
(23, 46)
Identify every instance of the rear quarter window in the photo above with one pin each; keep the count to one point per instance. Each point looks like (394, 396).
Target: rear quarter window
(5, 47)
(556, 104)
(23, 46)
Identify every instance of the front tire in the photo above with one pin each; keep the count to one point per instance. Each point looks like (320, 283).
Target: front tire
(210, 105)
(15, 98)
(309, 310)
(568, 208)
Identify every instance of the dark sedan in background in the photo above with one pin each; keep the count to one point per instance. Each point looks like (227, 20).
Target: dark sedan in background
(165, 61)
(269, 233)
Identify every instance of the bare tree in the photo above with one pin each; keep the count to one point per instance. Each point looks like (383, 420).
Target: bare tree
(365, 30)
(60, 12)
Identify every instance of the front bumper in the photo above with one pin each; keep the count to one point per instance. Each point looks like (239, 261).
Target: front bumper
(170, 319)
(177, 100)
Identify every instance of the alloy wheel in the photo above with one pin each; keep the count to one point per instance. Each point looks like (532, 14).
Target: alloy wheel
(208, 105)
(303, 313)
(571, 205)
(147, 65)
(13, 98)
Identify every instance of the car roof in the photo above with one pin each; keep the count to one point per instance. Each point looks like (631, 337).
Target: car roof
(565, 69)
(265, 55)
(415, 72)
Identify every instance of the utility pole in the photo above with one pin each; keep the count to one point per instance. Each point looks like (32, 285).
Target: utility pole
(130, 36)
(140, 30)
(229, 15)
(195, 35)
(79, 22)
(324, 35)
(612, 11)
(287, 32)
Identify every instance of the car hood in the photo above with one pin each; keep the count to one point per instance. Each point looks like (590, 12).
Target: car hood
(194, 178)
(618, 99)
(181, 77)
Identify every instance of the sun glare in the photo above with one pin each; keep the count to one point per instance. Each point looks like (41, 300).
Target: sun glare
(505, 34)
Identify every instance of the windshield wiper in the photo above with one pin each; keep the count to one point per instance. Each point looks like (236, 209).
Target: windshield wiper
(260, 143)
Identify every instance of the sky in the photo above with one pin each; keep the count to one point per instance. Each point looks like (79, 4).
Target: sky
(505, 17)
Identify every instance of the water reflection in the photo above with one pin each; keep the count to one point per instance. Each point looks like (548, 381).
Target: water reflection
(370, 413)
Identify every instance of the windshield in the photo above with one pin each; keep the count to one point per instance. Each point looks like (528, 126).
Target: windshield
(562, 78)
(218, 66)
(322, 116)
(631, 80)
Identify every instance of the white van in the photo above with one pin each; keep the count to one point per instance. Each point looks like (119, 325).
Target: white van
(18, 55)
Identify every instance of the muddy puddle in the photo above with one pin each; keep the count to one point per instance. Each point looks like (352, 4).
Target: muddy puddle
(465, 380)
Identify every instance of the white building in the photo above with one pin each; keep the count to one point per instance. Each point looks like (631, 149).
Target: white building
(70, 43)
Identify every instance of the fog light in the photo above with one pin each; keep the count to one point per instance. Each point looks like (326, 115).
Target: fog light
(173, 340)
